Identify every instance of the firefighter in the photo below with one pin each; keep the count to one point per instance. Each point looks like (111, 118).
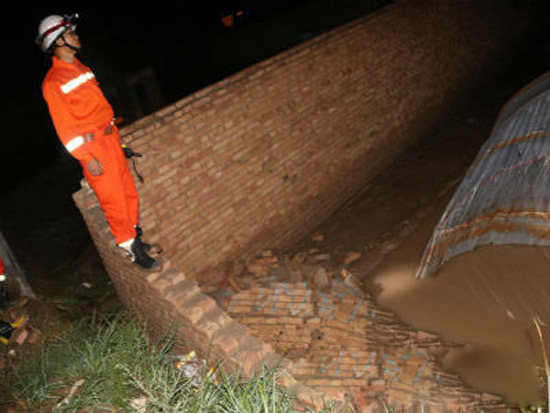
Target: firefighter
(84, 122)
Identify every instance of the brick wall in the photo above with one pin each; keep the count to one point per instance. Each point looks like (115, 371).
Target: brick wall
(261, 158)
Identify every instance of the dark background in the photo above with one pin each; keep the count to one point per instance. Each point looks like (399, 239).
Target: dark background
(186, 46)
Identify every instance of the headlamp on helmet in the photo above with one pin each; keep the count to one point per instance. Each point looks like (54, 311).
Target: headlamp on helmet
(52, 27)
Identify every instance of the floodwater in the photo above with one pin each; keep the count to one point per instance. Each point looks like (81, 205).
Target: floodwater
(487, 299)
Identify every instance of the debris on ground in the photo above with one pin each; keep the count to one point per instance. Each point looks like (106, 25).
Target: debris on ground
(139, 405)
(194, 368)
(72, 392)
(314, 267)
(30, 318)
(15, 321)
(311, 308)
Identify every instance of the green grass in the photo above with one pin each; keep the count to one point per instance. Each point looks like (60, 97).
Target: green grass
(118, 363)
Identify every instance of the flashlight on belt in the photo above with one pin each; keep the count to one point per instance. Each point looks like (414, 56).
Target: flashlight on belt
(131, 154)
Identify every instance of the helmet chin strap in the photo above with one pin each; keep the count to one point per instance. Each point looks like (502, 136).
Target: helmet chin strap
(69, 46)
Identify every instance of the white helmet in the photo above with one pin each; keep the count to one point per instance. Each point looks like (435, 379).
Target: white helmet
(51, 27)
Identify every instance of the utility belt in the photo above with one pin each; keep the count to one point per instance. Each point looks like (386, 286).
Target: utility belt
(107, 130)
(111, 126)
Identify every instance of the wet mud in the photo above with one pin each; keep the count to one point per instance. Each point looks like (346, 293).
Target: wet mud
(488, 300)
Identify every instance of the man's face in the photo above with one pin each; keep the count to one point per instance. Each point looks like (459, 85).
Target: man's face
(71, 38)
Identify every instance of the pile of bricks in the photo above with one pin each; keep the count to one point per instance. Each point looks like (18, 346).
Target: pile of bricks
(312, 310)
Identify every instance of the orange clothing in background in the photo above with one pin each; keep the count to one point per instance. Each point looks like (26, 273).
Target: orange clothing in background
(82, 117)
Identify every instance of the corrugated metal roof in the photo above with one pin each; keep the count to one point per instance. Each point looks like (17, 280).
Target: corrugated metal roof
(504, 197)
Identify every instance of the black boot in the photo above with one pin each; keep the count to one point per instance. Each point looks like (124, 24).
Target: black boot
(139, 233)
(140, 256)
(149, 249)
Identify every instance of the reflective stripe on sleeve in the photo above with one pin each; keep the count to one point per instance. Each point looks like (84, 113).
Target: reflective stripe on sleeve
(76, 82)
(74, 143)
(2, 277)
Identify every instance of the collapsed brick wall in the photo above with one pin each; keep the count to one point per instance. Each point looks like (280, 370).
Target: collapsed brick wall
(262, 157)
(341, 344)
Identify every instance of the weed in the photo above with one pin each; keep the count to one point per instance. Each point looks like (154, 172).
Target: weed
(111, 364)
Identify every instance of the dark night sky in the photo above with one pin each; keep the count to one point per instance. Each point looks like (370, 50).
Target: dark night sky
(174, 38)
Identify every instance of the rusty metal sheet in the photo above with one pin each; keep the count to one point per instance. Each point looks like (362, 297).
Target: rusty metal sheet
(504, 197)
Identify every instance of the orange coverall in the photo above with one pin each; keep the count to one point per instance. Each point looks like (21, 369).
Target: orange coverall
(83, 119)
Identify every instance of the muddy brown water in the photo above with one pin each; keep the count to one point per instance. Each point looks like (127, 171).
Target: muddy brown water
(486, 299)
